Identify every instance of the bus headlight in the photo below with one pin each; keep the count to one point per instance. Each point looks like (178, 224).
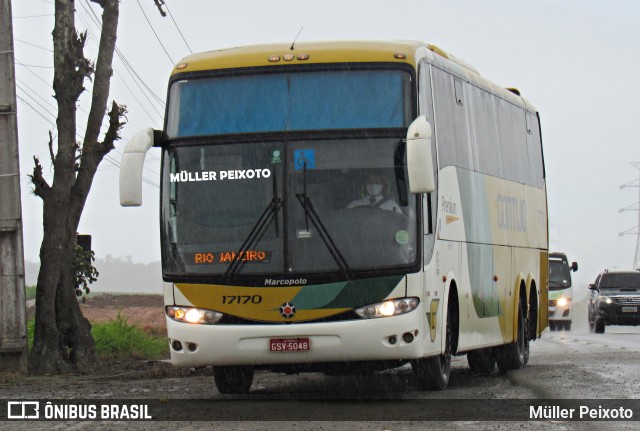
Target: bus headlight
(393, 307)
(194, 315)
(563, 302)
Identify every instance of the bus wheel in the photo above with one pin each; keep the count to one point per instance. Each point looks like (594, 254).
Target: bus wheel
(481, 361)
(433, 373)
(599, 326)
(567, 325)
(233, 380)
(515, 355)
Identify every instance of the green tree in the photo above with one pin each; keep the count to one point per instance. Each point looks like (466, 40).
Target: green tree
(85, 272)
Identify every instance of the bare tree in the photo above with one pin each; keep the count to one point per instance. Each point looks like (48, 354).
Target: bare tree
(62, 338)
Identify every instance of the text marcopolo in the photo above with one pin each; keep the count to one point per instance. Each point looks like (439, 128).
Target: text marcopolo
(234, 174)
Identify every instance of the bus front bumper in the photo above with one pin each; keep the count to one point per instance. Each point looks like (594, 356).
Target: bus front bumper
(194, 345)
(558, 313)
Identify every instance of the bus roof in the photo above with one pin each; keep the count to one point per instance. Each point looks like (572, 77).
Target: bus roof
(318, 53)
(407, 52)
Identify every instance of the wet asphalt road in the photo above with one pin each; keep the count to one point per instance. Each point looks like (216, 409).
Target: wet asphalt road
(569, 365)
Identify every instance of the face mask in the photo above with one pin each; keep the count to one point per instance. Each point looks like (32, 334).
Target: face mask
(374, 189)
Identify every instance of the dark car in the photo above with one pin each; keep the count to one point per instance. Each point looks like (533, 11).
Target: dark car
(614, 300)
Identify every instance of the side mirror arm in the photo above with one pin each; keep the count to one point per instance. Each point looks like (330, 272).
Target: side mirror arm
(132, 165)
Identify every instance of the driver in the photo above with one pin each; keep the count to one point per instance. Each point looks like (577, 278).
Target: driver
(374, 197)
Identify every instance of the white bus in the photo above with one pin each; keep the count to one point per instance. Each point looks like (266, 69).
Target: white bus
(560, 291)
(346, 206)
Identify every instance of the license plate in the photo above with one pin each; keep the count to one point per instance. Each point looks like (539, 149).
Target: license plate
(629, 309)
(289, 344)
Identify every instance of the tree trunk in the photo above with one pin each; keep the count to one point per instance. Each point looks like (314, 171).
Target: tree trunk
(62, 337)
(49, 352)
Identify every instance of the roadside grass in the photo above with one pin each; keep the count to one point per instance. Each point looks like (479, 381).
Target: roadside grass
(118, 340)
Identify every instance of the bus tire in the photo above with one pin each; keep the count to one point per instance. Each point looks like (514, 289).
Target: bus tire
(433, 373)
(233, 380)
(567, 325)
(481, 361)
(515, 355)
(599, 326)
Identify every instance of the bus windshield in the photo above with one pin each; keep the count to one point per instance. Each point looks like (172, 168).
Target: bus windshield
(291, 101)
(304, 207)
(559, 274)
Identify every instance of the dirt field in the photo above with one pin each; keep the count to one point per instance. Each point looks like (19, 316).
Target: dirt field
(146, 311)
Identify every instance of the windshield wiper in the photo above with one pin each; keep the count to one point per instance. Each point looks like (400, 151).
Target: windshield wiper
(310, 214)
(270, 212)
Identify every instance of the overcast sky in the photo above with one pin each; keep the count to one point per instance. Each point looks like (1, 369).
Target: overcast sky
(576, 60)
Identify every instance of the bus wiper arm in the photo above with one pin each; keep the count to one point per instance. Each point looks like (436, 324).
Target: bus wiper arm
(310, 214)
(270, 212)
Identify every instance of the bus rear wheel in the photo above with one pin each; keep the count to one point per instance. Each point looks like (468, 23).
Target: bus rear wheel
(233, 380)
(433, 373)
(515, 355)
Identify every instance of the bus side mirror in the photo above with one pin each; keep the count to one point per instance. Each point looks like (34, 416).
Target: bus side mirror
(574, 266)
(419, 157)
(131, 168)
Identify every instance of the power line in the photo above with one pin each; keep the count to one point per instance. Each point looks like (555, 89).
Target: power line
(35, 110)
(48, 102)
(139, 79)
(154, 32)
(634, 207)
(124, 82)
(125, 62)
(35, 101)
(135, 77)
(32, 44)
(33, 16)
(81, 129)
(27, 90)
(32, 72)
(33, 65)
(48, 85)
(106, 157)
(178, 28)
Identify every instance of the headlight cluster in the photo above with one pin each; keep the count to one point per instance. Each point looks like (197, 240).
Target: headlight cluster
(393, 307)
(563, 302)
(605, 299)
(194, 315)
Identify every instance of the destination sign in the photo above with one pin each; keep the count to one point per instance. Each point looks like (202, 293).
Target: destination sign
(249, 256)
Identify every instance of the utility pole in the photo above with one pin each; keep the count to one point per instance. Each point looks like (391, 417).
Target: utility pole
(13, 307)
(634, 207)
